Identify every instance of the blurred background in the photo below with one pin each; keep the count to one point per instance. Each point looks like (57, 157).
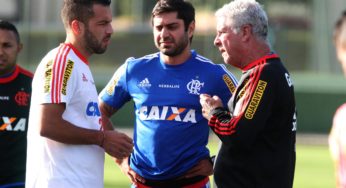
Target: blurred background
(300, 32)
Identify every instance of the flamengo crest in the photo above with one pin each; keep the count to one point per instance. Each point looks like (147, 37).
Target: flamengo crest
(194, 86)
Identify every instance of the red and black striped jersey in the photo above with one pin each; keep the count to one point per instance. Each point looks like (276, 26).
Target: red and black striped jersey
(15, 91)
(258, 130)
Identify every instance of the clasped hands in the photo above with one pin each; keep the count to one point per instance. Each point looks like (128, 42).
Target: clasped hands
(209, 103)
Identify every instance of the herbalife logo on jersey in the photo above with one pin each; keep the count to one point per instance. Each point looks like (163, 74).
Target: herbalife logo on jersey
(144, 83)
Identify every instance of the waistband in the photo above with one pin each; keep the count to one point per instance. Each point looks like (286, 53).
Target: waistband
(173, 183)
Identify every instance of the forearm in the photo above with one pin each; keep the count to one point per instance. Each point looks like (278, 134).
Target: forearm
(107, 112)
(120, 145)
(107, 123)
(54, 127)
(70, 134)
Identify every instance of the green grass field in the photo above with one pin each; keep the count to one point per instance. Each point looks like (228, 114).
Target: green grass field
(314, 169)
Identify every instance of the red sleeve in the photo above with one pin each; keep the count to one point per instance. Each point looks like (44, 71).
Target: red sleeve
(252, 107)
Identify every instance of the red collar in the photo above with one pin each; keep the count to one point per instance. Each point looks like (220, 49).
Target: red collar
(77, 53)
(258, 61)
(11, 77)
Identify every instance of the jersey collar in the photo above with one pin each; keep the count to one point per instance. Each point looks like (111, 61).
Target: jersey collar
(80, 56)
(10, 77)
(260, 60)
(167, 66)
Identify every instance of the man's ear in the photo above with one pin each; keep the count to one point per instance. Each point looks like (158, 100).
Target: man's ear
(76, 27)
(19, 47)
(191, 29)
(246, 32)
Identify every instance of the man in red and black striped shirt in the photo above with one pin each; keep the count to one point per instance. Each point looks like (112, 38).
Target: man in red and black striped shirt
(258, 128)
(15, 91)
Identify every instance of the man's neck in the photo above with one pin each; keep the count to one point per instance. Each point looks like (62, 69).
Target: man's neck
(256, 52)
(178, 59)
(78, 46)
(7, 73)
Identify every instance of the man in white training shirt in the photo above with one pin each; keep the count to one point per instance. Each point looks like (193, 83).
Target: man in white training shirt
(66, 141)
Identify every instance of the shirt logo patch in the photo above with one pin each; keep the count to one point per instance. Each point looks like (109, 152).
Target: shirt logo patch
(242, 91)
(194, 86)
(169, 86)
(67, 75)
(93, 109)
(4, 98)
(229, 83)
(167, 113)
(8, 124)
(48, 76)
(22, 98)
(255, 100)
(289, 81)
(111, 85)
(84, 78)
(144, 83)
(294, 121)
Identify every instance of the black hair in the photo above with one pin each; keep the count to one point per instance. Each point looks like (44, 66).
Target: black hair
(184, 9)
(5, 25)
(80, 10)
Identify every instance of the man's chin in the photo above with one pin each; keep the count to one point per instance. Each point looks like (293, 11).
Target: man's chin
(101, 50)
(165, 51)
(170, 54)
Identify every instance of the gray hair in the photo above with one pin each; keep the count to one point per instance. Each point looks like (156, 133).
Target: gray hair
(241, 12)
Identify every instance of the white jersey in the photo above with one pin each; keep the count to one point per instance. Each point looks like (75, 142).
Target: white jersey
(63, 76)
(337, 145)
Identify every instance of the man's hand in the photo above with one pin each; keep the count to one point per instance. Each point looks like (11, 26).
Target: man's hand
(209, 103)
(117, 144)
(126, 169)
(202, 168)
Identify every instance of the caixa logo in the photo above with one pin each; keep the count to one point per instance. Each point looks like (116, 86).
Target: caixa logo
(12, 124)
(168, 113)
(93, 109)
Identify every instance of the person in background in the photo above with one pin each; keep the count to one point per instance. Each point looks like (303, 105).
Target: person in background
(170, 133)
(66, 141)
(15, 91)
(337, 136)
(258, 126)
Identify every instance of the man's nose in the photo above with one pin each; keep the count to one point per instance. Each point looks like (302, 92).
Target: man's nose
(164, 32)
(217, 41)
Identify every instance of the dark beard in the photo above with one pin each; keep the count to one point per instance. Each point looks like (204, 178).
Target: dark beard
(92, 44)
(178, 50)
